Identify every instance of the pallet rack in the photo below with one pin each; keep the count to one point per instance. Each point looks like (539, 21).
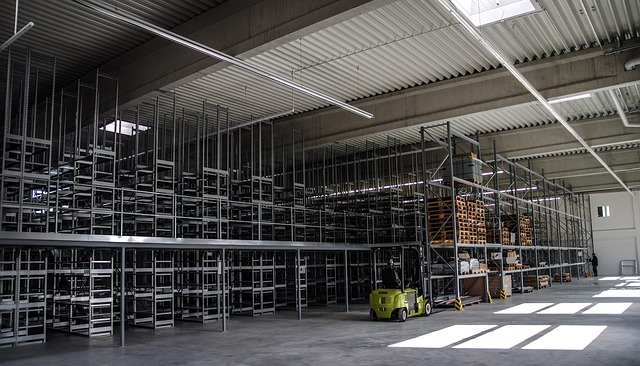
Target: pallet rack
(498, 214)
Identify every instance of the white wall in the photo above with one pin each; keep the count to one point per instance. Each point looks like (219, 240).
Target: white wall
(616, 237)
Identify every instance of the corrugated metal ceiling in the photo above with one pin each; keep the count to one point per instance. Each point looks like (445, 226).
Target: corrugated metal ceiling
(398, 46)
(415, 42)
(80, 38)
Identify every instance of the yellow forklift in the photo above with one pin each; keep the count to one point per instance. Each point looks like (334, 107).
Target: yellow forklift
(398, 299)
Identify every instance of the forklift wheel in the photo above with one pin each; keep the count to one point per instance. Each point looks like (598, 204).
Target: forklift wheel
(402, 314)
(427, 309)
(372, 315)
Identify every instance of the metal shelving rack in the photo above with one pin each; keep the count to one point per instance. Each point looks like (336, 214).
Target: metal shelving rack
(23, 290)
(534, 227)
(321, 278)
(360, 279)
(198, 292)
(297, 284)
(151, 288)
(27, 146)
(252, 276)
(85, 172)
(80, 298)
(164, 170)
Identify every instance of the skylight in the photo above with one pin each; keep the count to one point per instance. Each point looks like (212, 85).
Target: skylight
(483, 12)
(125, 128)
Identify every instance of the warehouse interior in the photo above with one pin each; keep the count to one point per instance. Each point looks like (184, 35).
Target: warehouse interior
(202, 173)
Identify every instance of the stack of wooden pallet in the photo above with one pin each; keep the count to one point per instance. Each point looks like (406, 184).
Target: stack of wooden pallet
(440, 218)
(536, 281)
(566, 277)
(498, 238)
(470, 221)
(522, 222)
(476, 218)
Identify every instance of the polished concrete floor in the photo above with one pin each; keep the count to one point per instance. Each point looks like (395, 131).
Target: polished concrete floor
(334, 337)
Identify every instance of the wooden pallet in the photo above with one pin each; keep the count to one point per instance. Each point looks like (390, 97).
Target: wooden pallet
(479, 271)
(441, 241)
(470, 301)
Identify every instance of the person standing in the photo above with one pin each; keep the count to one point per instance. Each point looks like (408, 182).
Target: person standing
(594, 264)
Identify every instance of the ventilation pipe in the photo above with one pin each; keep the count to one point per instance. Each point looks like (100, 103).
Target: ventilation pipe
(620, 110)
(631, 64)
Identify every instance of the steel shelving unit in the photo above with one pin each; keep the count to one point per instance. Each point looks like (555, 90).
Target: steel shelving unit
(80, 297)
(23, 290)
(151, 288)
(198, 293)
(253, 282)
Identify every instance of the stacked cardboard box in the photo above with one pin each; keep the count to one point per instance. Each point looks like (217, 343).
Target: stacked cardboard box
(465, 166)
(511, 260)
(495, 286)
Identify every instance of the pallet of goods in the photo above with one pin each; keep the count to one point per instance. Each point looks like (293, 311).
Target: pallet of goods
(465, 166)
(536, 281)
(565, 277)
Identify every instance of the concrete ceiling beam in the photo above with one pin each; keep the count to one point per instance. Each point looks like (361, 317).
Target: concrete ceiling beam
(550, 138)
(575, 72)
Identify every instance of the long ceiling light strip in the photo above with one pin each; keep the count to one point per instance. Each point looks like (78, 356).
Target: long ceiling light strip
(184, 41)
(518, 75)
(16, 36)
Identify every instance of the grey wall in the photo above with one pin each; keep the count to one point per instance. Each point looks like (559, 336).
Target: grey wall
(616, 237)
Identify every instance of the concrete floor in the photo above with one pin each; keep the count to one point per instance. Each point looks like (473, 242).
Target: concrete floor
(334, 337)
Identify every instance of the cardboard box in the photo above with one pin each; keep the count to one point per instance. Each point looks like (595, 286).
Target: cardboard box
(494, 285)
(474, 286)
